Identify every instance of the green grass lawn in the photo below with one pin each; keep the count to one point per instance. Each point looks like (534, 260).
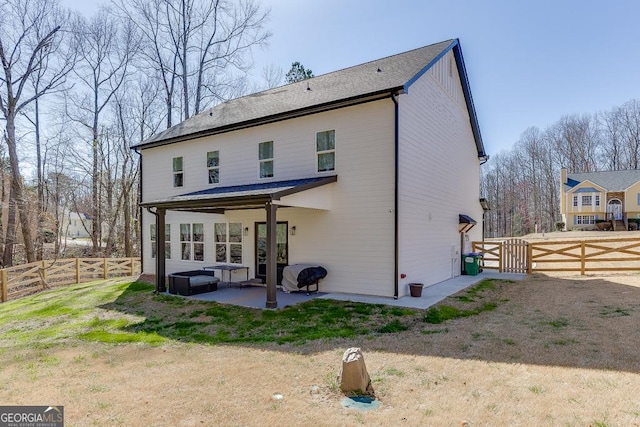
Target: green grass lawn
(116, 311)
(119, 311)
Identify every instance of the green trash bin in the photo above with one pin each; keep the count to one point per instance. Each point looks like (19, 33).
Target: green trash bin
(472, 263)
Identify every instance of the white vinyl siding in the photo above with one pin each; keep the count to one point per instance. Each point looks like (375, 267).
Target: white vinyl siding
(439, 178)
(354, 236)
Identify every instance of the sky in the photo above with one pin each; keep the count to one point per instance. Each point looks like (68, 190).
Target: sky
(528, 62)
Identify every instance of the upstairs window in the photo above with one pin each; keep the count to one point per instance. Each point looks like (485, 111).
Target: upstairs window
(265, 159)
(213, 165)
(326, 150)
(597, 200)
(178, 172)
(586, 200)
(575, 201)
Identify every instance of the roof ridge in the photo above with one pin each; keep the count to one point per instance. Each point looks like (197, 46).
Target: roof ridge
(301, 82)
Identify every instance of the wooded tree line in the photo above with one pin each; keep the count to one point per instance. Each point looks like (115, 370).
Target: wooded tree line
(522, 185)
(76, 92)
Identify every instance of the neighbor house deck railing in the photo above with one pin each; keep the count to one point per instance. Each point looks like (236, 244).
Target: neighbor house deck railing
(24, 279)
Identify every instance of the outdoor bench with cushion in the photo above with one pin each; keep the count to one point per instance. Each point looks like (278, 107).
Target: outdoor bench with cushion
(193, 282)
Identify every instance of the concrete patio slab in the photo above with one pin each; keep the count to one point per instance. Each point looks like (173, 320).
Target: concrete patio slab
(430, 294)
(255, 296)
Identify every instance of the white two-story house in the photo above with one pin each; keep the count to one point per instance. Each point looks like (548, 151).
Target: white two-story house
(371, 172)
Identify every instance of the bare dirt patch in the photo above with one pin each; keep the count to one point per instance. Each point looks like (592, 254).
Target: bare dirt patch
(554, 351)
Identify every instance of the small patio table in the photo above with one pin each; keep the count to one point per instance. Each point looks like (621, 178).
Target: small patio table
(230, 268)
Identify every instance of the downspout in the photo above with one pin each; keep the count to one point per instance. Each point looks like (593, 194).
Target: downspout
(140, 225)
(396, 246)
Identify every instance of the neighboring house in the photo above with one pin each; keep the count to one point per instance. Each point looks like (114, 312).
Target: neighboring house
(587, 198)
(76, 224)
(372, 172)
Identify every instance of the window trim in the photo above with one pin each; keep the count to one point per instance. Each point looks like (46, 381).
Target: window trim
(153, 239)
(212, 168)
(585, 219)
(227, 243)
(266, 160)
(192, 242)
(318, 153)
(177, 172)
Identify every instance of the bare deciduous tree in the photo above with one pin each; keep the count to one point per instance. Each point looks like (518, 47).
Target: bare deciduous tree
(200, 45)
(105, 51)
(29, 41)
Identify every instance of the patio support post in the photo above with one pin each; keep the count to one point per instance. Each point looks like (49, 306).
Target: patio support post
(161, 285)
(272, 264)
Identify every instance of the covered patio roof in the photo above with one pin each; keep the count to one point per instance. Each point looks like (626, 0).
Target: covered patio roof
(267, 195)
(249, 196)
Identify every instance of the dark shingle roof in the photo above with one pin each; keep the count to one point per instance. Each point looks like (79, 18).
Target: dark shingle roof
(609, 180)
(249, 193)
(374, 79)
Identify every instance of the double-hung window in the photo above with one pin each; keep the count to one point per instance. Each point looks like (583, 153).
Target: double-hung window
(228, 241)
(585, 219)
(575, 201)
(167, 241)
(265, 159)
(326, 150)
(178, 172)
(192, 242)
(213, 166)
(586, 200)
(597, 200)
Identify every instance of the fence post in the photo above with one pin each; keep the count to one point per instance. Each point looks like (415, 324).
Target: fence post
(132, 267)
(529, 258)
(3, 284)
(104, 269)
(77, 270)
(500, 257)
(582, 257)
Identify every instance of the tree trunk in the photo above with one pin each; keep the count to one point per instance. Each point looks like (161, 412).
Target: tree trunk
(10, 237)
(16, 185)
(40, 169)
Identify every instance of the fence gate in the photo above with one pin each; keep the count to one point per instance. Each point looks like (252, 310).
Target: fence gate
(514, 256)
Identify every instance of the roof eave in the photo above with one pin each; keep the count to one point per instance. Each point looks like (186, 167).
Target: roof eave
(333, 105)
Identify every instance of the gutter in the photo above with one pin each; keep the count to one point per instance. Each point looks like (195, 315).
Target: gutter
(396, 246)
